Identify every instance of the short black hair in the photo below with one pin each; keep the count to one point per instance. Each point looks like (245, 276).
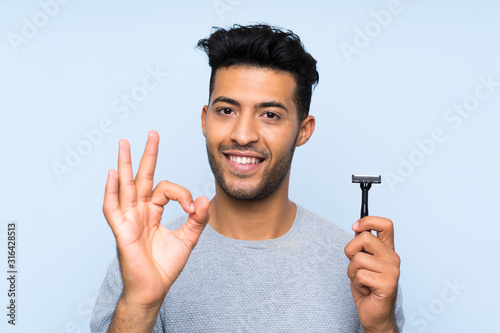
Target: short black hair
(263, 46)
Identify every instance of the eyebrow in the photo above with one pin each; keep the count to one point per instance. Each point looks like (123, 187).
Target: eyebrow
(272, 104)
(259, 106)
(226, 100)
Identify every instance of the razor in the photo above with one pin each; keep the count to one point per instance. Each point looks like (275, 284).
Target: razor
(365, 182)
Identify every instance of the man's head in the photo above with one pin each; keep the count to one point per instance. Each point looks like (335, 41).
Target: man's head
(263, 46)
(260, 91)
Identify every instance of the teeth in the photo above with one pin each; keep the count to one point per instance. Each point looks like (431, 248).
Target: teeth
(244, 160)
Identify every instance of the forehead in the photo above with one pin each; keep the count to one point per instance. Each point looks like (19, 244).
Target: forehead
(254, 85)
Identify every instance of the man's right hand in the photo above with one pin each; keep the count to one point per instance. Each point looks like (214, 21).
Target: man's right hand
(151, 256)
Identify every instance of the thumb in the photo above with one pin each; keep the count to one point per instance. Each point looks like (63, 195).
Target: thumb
(196, 222)
(200, 215)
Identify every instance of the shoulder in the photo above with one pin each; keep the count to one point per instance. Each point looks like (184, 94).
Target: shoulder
(321, 230)
(177, 222)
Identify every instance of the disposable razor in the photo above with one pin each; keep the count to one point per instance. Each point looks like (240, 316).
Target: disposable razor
(365, 182)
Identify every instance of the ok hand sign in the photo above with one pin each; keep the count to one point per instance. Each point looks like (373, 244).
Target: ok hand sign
(151, 256)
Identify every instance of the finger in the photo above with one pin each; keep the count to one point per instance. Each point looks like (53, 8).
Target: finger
(360, 288)
(366, 261)
(166, 191)
(191, 230)
(379, 283)
(370, 244)
(384, 228)
(111, 206)
(200, 216)
(379, 257)
(126, 185)
(364, 280)
(198, 220)
(144, 179)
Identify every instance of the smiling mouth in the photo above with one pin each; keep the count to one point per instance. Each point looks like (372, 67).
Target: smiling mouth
(244, 160)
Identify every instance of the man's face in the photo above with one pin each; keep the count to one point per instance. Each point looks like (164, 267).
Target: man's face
(251, 128)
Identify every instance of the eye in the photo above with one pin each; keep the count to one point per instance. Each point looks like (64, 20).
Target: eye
(225, 111)
(271, 115)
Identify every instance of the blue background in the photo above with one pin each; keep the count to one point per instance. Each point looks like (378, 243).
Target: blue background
(392, 73)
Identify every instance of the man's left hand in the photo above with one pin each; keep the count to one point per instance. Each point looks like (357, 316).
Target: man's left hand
(374, 273)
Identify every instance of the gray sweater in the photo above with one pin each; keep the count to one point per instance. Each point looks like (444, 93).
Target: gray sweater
(294, 283)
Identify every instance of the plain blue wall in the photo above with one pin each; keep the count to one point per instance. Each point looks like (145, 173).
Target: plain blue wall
(408, 89)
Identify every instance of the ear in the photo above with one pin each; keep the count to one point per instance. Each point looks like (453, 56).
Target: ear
(306, 130)
(204, 119)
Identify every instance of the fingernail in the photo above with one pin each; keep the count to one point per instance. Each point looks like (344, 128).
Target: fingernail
(192, 206)
(355, 225)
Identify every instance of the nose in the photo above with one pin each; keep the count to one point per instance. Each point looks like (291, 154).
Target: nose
(245, 130)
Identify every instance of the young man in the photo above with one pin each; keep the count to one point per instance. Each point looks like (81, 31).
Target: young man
(262, 263)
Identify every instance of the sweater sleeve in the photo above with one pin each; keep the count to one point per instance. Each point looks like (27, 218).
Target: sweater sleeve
(107, 299)
(399, 314)
(109, 295)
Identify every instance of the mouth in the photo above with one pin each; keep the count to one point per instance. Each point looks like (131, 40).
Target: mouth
(244, 160)
(243, 163)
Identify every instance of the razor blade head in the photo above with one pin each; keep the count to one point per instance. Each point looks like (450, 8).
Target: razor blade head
(367, 179)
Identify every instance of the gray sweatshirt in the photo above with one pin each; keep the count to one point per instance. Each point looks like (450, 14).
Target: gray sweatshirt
(294, 283)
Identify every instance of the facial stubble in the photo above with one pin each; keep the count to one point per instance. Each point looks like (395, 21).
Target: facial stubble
(270, 182)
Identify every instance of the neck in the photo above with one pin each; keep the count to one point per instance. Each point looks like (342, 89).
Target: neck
(252, 220)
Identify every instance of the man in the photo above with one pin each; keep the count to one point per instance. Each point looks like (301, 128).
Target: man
(262, 263)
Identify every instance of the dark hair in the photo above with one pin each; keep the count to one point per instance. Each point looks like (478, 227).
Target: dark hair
(263, 46)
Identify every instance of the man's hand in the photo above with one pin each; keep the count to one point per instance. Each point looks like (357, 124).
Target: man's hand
(374, 273)
(151, 256)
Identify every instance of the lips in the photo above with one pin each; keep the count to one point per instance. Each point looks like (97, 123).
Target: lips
(244, 160)
(243, 163)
